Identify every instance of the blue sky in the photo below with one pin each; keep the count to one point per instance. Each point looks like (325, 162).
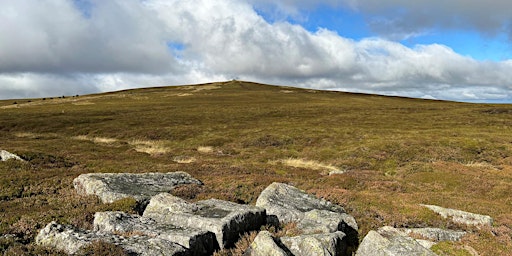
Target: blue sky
(451, 50)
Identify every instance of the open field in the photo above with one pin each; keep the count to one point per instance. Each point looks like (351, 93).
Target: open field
(238, 137)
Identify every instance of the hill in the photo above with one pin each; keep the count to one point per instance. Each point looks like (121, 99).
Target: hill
(238, 137)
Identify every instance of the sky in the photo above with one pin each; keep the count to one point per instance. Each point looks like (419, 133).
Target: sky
(457, 50)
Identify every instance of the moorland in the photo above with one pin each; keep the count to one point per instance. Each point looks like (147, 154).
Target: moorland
(238, 137)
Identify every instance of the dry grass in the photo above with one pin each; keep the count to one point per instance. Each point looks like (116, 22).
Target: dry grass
(184, 159)
(205, 149)
(100, 140)
(309, 164)
(150, 147)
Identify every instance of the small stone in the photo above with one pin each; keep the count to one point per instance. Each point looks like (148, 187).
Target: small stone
(317, 244)
(265, 245)
(5, 155)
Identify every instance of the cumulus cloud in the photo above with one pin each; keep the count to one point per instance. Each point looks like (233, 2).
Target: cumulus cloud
(60, 47)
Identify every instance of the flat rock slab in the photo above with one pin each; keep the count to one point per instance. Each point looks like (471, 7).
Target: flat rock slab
(199, 242)
(227, 220)
(5, 155)
(285, 203)
(462, 217)
(110, 187)
(71, 240)
(388, 241)
(435, 234)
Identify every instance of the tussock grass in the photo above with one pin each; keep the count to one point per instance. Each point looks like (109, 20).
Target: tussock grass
(309, 164)
(205, 149)
(150, 147)
(96, 139)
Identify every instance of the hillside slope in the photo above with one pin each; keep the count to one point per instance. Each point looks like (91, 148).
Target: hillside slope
(238, 137)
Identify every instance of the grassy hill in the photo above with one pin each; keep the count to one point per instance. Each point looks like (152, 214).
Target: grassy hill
(238, 137)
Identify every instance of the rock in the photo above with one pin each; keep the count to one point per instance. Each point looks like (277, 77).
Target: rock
(462, 217)
(266, 245)
(317, 244)
(388, 241)
(435, 234)
(110, 187)
(285, 203)
(322, 221)
(226, 219)
(199, 242)
(71, 240)
(4, 156)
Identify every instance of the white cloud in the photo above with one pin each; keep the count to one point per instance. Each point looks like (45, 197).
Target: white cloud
(50, 48)
(52, 36)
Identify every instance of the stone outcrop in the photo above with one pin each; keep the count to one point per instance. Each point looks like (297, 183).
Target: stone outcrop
(5, 155)
(170, 225)
(110, 187)
(71, 240)
(197, 241)
(285, 203)
(226, 219)
(462, 217)
(388, 241)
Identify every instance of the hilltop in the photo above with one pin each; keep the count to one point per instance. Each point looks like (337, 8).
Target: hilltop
(238, 137)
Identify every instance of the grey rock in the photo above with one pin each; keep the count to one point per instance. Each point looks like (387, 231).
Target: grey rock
(323, 221)
(71, 240)
(110, 187)
(5, 155)
(265, 245)
(289, 203)
(435, 234)
(388, 241)
(199, 242)
(285, 203)
(226, 219)
(317, 244)
(462, 217)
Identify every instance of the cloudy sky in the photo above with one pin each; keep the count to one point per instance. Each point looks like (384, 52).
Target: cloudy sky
(450, 49)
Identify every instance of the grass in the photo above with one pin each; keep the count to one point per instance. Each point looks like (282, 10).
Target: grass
(397, 153)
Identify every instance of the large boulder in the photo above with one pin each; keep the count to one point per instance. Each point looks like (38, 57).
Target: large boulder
(110, 187)
(285, 203)
(227, 220)
(71, 240)
(462, 217)
(199, 242)
(388, 241)
(5, 155)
